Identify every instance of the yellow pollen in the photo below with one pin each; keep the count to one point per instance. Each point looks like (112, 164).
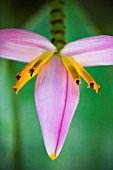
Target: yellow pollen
(53, 156)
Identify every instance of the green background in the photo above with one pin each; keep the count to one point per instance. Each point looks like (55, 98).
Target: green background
(89, 143)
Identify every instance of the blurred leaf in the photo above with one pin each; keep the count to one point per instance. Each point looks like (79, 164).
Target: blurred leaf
(6, 14)
(7, 141)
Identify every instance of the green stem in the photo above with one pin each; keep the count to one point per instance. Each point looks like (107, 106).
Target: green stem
(57, 23)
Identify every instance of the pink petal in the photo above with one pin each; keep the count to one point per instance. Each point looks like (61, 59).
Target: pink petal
(56, 98)
(21, 45)
(91, 51)
(103, 57)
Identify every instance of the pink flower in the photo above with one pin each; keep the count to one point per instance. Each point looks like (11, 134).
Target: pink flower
(56, 90)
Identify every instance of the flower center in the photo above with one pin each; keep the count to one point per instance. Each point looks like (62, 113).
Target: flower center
(73, 67)
(76, 70)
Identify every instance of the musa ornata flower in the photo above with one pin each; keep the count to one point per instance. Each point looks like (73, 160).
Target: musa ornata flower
(59, 67)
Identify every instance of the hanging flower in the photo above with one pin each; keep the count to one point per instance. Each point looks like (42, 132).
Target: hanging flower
(57, 83)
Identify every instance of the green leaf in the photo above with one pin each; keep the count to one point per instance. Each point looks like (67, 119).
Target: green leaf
(7, 138)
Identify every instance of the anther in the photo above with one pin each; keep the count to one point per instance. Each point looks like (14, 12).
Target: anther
(77, 81)
(91, 85)
(18, 77)
(98, 88)
(14, 88)
(31, 71)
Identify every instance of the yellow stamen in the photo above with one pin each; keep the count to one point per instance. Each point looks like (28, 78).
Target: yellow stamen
(21, 82)
(31, 69)
(72, 70)
(53, 156)
(33, 62)
(83, 73)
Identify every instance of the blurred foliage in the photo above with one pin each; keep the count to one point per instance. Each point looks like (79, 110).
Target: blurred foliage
(15, 13)
(89, 144)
